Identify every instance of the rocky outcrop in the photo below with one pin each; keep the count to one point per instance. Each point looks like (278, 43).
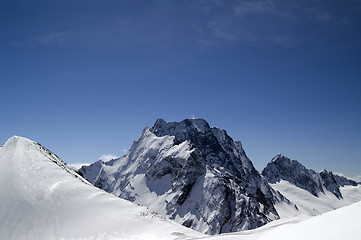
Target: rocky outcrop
(284, 168)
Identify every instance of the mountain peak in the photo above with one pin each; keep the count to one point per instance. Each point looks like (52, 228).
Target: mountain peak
(162, 127)
(284, 168)
(185, 163)
(278, 156)
(160, 121)
(17, 139)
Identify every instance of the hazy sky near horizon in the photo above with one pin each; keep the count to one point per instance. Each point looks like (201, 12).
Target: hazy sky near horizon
(84, 77)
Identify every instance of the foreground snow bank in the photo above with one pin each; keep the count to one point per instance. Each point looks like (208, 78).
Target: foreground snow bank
(41, 198)
(342, 223)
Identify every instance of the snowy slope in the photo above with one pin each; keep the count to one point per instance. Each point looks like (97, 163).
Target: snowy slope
(192, 173)
(284, 168)
(310, 205)
(343, 223)
(41, 198)
(313, 193)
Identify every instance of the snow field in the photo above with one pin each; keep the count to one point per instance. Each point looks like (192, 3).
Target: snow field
(40, 198)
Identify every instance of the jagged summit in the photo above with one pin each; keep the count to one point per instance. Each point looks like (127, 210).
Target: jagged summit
(282, 167)
(181, 129)
(200, 135)
(192, 173)
(278, 156)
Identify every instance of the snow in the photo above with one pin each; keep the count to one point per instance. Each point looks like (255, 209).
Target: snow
(41, 198)
(342, 223)
(77, 166)
(311, 205)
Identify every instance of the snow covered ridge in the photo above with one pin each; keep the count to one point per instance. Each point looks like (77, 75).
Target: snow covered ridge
(342, 223)
(283, 168)
(41, 198)
(193, 174)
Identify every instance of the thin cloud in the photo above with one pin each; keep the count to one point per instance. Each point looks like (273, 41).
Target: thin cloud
(258, 22)
(220, 31)
(54, 37)
(355, 178)
(108, 157)
(283, 9)
(248, 7)
(57, 38)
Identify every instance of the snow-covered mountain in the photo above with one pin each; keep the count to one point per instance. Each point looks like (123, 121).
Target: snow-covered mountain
(192, 173)
(312, 192)
(41, 198)
(290, 170)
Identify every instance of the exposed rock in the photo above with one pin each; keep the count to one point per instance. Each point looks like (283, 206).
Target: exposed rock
(192, 173)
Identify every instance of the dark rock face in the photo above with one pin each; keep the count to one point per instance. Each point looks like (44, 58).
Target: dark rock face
(192, 173)
(284, 168)
(333, 182)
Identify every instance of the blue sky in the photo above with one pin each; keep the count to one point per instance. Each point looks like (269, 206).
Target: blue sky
(85, 77)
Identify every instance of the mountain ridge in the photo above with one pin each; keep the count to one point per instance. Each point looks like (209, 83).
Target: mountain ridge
(282, 167)
(208, 182)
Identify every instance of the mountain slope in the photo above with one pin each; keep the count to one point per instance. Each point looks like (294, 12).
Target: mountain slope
(342, 223)
(313, 193)
(290, 170)
(192, 173)
(41, 198)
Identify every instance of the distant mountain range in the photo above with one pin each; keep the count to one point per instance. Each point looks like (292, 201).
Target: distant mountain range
(200, 177)
(42, 198)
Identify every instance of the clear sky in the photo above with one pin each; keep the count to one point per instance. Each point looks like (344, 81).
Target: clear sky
(84, 77)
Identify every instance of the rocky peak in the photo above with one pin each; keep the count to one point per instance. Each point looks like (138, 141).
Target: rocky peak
(193, 173)
(197, 124)
(188, 129)
(284, 168)
(210, 143)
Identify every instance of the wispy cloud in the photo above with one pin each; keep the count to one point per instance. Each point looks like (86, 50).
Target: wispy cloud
(50, 38)
(54, 37)
(356, 178)
(112, 32)
(220, 30)
(107, 157)
(284, 9)
(207, 23)
(249, 7)
(260, 22)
